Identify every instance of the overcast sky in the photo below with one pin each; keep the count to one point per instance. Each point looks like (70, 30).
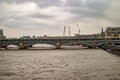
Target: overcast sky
(40, 17)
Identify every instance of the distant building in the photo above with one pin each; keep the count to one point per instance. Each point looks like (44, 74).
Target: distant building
(78, 35)
(33, 36)
(102, 33)
(1, 34)
(112, 32)
(45, 36)
(25, 37)
(88, 36)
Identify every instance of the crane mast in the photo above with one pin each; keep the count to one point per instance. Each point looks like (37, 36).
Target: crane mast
(69, 31)
(78, 28)
(64, 30)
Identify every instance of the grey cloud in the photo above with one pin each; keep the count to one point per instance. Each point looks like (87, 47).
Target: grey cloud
(42, 16)
(31, 25)
(88, 9)
(21, 17)
(41, 3)
(74, 3)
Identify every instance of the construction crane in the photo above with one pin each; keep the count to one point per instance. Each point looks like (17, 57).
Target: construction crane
(64, 30)
(69, 30)
(78, 28)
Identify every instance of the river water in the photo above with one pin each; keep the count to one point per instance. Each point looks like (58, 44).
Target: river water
(63, 64)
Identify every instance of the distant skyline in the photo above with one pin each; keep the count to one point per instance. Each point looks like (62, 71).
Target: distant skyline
(48, 17)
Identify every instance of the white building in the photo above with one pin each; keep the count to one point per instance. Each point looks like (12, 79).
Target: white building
(1, 34)
(112, 32)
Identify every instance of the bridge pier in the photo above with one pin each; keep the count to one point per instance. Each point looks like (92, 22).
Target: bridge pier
(58, 45)
(20, 45)
(6, 48)
(94, 44)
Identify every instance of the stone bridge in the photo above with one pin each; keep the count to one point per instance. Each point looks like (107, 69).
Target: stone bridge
(59, 41)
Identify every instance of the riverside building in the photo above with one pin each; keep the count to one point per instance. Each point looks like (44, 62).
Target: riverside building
(1, 35)
(112, 32)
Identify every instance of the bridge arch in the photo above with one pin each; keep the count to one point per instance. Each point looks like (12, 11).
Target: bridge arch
(12, 45)
(42, 45)
(24, 46)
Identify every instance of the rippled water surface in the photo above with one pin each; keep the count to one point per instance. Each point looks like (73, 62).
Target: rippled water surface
(84, 64)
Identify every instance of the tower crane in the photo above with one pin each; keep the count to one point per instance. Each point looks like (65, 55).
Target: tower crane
(78, 28)
(64, 30)
(69, 31)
